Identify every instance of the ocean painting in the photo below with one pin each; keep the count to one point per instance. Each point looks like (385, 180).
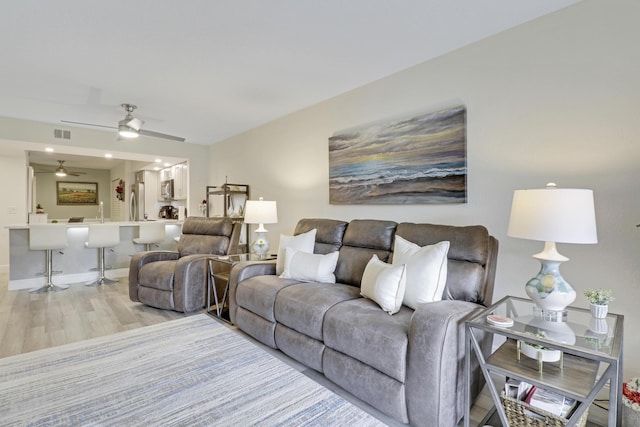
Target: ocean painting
(420, 160)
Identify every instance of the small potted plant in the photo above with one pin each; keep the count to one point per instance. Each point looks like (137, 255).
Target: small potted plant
(599, 300)
(39, 209)
(532, 350)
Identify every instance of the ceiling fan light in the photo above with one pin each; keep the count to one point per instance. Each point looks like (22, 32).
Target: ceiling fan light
(61, 172)
(127, 132)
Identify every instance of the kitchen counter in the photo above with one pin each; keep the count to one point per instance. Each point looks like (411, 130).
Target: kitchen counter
(86, 222)
(76, 261)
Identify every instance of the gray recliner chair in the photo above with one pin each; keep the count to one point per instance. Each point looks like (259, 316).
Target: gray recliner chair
(178, 280)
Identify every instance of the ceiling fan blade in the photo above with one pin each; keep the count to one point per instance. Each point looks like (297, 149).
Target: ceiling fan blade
(88, 124)
(160, 135)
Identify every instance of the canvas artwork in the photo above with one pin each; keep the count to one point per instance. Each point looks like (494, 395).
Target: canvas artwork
(419, 160)
(76, 193)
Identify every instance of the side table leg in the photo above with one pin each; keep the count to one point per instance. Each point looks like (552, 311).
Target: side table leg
(467, 374)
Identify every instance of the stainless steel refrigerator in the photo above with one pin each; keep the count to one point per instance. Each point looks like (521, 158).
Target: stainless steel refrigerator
(136, 201)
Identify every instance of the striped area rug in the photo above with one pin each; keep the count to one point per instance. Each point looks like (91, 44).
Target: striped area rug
(188, 372)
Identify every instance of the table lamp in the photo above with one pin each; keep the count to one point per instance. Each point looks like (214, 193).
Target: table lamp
(552, 215)
(260, 212)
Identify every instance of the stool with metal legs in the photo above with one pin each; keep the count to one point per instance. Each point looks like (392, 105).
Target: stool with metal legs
(102, 236)
(150, 232)
(47, 237)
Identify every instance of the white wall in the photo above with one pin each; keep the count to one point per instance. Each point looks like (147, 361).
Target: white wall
(556, 100)
(46, 187)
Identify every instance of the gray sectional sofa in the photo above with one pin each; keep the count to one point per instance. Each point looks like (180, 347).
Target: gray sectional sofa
(409, 365)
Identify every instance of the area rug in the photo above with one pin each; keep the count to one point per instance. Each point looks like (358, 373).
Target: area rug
(192, 371)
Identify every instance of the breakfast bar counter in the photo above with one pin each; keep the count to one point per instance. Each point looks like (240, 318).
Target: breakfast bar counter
(76, 262)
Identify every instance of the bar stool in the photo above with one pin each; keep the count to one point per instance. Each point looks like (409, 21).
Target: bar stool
(150, 232)
(102, 236)
(47, 237)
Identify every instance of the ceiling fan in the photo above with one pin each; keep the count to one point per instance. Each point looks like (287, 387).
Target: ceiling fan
(62, 171)
(131, 127)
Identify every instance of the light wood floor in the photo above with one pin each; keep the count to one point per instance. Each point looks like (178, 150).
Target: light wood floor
(31, 322)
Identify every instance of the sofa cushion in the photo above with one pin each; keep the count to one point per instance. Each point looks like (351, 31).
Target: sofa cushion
(158, 275)
(468, 255)
(191, 244)
(426, 270)
(205, 236)
(384, 283)
(258, 294)
(309, 267)
(302, 307)
(359, 329)
(329, 233)
(304, 242)
(362, 239)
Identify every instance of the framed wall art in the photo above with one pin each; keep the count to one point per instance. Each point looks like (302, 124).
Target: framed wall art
(76, 193)
(418, 160)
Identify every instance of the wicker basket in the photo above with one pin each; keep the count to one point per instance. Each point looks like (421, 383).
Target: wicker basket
(514, 409)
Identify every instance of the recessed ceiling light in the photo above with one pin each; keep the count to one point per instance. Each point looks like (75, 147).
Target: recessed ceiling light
(167, 164)
(108, 155)
(158, 160)
(49, 150)
(156, 168)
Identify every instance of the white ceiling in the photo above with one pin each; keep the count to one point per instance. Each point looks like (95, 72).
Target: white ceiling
(209, 69)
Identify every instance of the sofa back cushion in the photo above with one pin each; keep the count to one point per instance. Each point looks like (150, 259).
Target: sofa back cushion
(329, 233)
(207, 236)
(362, 239)
(471, 258)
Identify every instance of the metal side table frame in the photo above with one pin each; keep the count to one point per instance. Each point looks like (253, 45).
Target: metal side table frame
(588, 345)
(228, 261)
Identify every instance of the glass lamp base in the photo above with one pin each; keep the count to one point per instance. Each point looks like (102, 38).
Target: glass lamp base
(261, 245)
(548, 289)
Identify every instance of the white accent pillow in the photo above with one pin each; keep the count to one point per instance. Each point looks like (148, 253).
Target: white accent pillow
(384, 283)
(307, 267)
(304, 242)
(426, 270)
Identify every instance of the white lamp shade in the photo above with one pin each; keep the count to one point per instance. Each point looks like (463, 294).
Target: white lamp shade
(554, 215)
(260, 212)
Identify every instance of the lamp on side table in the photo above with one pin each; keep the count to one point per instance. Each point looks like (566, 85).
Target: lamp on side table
(552, 215)
(260, 212)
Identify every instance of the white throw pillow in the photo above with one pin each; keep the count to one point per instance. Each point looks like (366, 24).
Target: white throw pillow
(384, 283)
(304, 242)
(307, 267)
(426, 270)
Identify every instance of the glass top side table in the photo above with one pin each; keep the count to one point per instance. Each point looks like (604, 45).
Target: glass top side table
(585, 343)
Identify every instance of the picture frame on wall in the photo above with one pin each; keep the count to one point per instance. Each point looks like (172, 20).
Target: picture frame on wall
(415, 160)
(71, 193)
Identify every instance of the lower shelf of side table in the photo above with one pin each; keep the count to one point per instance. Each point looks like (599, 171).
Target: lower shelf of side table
(576, 378)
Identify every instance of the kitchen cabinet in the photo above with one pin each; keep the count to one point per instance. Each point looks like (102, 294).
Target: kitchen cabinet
(180, 180)
(179, 175)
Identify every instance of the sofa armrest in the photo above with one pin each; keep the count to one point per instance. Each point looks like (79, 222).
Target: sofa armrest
(435, 362)
(190, 282)
(141, 258)
(243, 271)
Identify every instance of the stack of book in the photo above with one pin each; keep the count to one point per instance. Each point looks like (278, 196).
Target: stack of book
(536, 397)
